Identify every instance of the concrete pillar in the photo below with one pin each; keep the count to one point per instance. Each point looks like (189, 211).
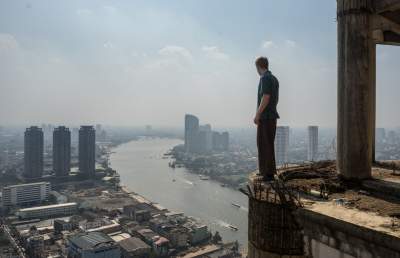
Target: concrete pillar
(272, 230)
(355, 91)
(373, 95)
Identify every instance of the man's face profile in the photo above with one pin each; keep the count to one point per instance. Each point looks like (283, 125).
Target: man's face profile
(260, 70)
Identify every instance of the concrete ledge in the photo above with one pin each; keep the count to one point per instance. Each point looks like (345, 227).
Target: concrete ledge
(382, 187)
(347, 237)
(253, 252)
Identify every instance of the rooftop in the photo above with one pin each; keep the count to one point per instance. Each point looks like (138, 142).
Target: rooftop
(22, 185)
(132, 244)
(372, 204)
(91, 240)
(203, 251)
(69, 204)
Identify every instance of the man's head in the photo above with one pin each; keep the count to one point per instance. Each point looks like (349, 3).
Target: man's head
(262, 65)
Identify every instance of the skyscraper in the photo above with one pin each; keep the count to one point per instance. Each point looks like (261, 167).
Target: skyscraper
(312, 150)
(205, 136)
(282, 145)
(87, 148)
(75, 136)
(33, 152)
(191, 132)
(216, 140)
(380, 134)
(61, 151)
(225, 141)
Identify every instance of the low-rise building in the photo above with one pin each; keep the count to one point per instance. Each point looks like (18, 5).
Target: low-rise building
(140, 212)
(176, 217)
(61, 198)
(118, 237)
(229, 250)
(178, 236)
(25, 193)
(47, 211)
(93, 245)
(107, 229)
(35, 246)
(197, 233)
(62, 225)
(147, 235)
(161, 246)
(134, 247)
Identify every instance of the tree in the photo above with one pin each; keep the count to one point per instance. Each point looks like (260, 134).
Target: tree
(216, 238)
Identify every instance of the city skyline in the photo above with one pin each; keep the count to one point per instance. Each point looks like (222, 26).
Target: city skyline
(117, 59)
(230, 128)
(201, 138)
(35, 150)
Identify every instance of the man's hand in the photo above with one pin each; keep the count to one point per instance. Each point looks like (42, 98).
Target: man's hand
(263, 105)
(257, 118)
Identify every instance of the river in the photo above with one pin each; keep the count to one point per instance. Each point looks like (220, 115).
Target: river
(143, 170)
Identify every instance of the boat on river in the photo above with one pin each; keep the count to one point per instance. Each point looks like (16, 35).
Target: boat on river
(204, 177)
(236, 205)
(233, 227)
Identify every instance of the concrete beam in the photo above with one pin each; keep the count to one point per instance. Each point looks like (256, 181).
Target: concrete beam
(391, 38)
(384, 24)
(386, 5)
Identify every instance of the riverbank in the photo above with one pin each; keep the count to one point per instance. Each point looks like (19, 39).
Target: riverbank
(228, 168)
(144, 168)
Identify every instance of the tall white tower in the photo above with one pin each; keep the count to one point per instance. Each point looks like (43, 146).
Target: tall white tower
(282, 145)
(312, 150)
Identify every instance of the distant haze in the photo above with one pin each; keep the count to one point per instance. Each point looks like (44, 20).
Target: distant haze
(149, 62)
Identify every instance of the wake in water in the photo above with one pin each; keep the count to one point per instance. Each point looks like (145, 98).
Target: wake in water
(186, 181)
(222, 223)
(244, 209)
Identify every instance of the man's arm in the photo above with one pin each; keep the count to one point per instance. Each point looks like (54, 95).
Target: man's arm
(266, 87)
(263, 104)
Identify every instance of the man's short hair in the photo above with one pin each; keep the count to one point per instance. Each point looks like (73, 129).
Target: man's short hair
(262, 62)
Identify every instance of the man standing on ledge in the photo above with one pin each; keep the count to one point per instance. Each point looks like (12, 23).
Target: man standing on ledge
(265, 119)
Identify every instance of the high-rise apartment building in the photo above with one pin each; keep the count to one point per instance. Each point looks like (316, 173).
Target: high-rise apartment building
(33, 152)
(201, 139)
(61, 151)
(220, 141)
(312, 148)
(205, 138)
(191, 132)
(225, 141)
(282, 145)
(87, 150)
(380, 134)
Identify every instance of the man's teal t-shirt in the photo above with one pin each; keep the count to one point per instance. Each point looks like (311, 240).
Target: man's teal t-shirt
(269, 84)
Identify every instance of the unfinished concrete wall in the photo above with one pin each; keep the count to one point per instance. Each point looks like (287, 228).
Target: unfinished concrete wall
(273, 230)
(327, 237)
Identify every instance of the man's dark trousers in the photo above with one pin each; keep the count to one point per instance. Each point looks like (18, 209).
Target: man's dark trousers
(266, 131)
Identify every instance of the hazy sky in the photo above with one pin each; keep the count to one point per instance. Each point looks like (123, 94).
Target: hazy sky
(150, 62)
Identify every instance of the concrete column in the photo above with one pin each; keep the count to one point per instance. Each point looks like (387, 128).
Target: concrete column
(373, 95)
(355, 91)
